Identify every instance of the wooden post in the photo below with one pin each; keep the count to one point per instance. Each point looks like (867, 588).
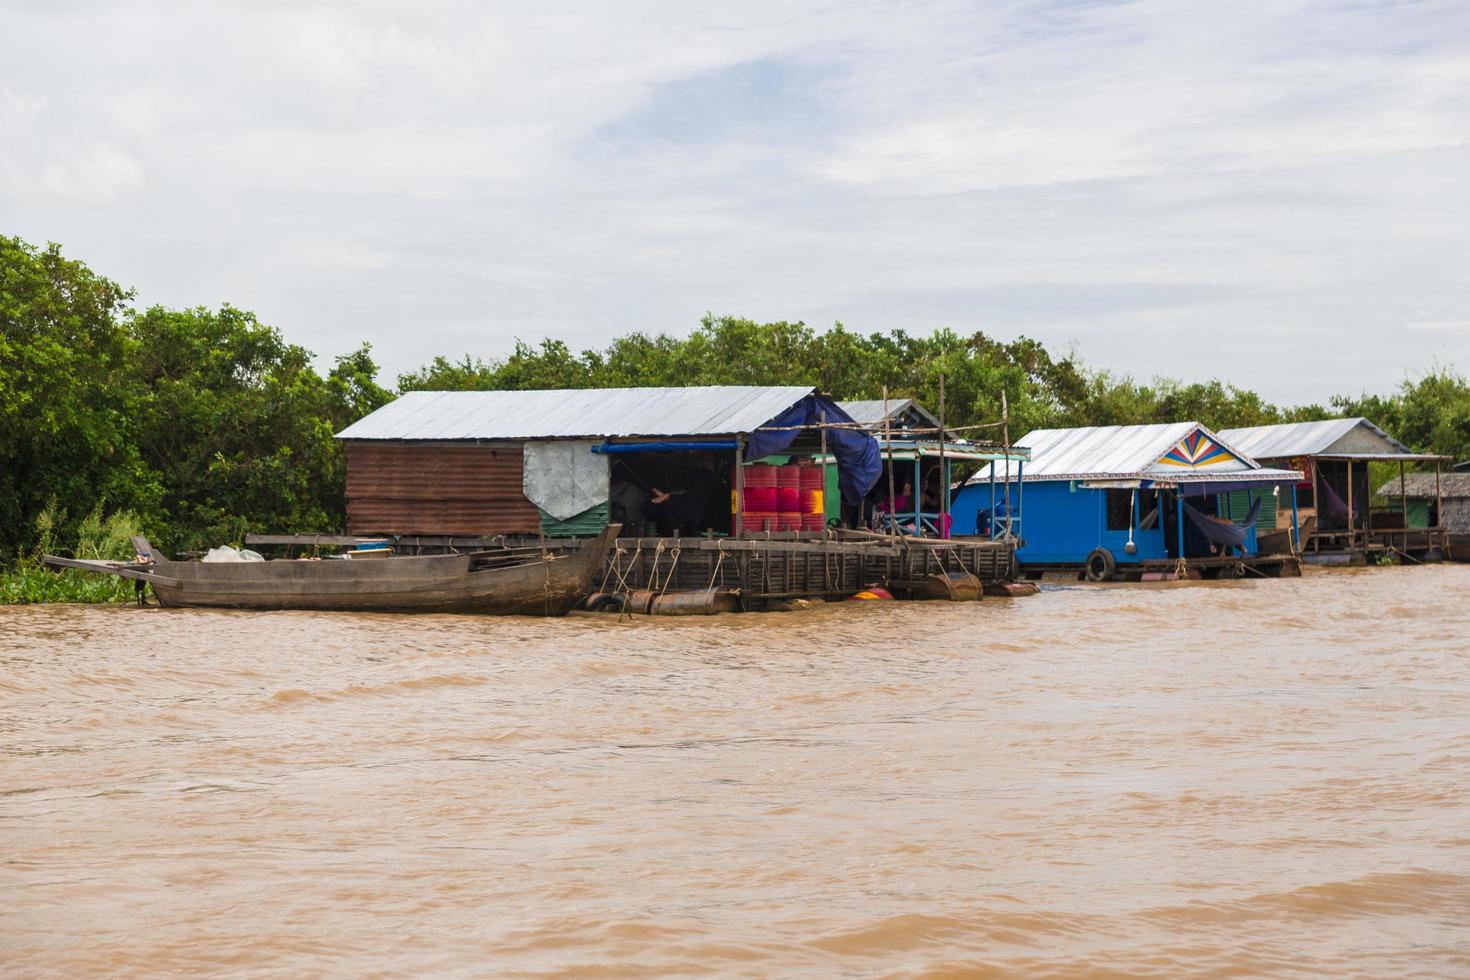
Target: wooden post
(1179, 520)
(943, 469)
(1296, 524)
(737, 526)
(1352, 531)
(1316, 507)
(918, 493)
(1020, 489)
(1005, 434)
(1438, 503)
(888, 458)
(1368, 505)
(1404, 505)
(823, 419)
(992, 499)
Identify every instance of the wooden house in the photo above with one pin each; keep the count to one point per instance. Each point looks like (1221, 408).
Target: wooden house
(1336, 458)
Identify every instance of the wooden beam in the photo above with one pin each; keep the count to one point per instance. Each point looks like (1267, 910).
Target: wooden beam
(138, 573)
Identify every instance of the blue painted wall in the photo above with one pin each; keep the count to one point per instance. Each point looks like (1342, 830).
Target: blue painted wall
(1062, 522)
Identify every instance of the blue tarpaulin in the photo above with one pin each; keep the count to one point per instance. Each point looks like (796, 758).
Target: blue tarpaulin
(856, 451)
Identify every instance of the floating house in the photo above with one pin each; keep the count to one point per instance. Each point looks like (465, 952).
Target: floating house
(554, 462)
(1340, 524)
(1140, 501)
(1433, 500)
(921, 456)
(719, 490)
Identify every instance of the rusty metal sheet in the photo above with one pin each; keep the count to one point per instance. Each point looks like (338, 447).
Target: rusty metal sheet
(394, 488)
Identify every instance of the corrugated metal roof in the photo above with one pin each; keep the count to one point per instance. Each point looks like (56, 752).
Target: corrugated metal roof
(577, 413)
(1299, 438)
(1112, 452)
(869, 411)
(1420, 485)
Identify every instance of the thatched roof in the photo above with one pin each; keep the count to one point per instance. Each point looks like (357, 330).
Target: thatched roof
(1421, 485)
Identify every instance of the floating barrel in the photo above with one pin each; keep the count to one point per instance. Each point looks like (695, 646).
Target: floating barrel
(813, 522)
(759, 509)
(639, 601)
(760, 520)
(705, 603)
(760, 475)
(761, 499)
(788, 491)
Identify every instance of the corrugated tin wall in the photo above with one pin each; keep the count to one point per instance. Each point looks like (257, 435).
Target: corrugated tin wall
(436, 488)
(587, 524)
(1239, 504)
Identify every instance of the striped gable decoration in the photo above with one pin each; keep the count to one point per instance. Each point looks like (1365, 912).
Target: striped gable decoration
(1195, 451)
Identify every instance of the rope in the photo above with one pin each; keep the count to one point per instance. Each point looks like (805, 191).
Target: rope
(653, 572)
(623, 576)
(672, 565)
(718, 562)
(618, 551)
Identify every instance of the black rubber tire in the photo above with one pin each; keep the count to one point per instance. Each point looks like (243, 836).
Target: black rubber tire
(1100, 566)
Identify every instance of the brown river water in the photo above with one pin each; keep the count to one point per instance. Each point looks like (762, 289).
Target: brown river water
(1258, 778)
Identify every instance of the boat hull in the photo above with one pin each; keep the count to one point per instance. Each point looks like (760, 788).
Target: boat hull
(543, 585)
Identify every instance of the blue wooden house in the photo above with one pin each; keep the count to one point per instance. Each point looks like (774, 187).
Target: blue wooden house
(1137, 501)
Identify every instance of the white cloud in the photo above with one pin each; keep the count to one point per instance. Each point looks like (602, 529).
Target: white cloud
(1272, 183)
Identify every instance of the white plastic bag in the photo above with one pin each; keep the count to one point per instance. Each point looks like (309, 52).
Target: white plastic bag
(225, 553)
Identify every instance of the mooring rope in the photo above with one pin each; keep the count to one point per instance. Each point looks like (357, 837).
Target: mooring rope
(623, 572)
(653, 572)
(674, 551)
(718, 562)
(611, 565)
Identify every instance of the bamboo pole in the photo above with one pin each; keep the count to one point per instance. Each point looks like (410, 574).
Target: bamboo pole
(1352, 531)
(1404, 505)
(1005, 431)
(943, 472)
(823, 420)
(1438, 502)
(737, 525)
(1316, 507)
(888, 458)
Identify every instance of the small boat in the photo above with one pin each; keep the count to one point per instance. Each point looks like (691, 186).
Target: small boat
(510, 581)
(1279, 541)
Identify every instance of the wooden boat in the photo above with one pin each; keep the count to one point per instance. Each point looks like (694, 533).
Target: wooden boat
(527, 582)
(1279, 542)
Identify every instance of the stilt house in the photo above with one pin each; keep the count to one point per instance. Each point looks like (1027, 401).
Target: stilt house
(1335, 456)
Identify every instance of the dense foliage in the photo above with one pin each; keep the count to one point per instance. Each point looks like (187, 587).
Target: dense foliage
(203, 423)
(206, 423)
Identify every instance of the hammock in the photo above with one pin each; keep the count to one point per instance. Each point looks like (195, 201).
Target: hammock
(1224, 532)
(1336, 506)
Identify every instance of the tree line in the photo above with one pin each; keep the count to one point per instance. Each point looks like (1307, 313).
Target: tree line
(203, 424)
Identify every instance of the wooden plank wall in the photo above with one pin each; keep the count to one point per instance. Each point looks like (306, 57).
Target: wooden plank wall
(432, 488)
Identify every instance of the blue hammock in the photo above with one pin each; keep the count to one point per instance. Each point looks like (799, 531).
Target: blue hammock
(1224, 532)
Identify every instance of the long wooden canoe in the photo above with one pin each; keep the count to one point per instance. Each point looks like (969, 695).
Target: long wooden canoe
(495, 582)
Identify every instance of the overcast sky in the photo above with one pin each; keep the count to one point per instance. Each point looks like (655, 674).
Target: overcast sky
(1275, 193)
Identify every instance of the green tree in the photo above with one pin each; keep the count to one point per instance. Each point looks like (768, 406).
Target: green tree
(66, 404)
(240, 427)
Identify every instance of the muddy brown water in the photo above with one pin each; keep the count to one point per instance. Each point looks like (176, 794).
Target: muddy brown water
(1267, 778)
